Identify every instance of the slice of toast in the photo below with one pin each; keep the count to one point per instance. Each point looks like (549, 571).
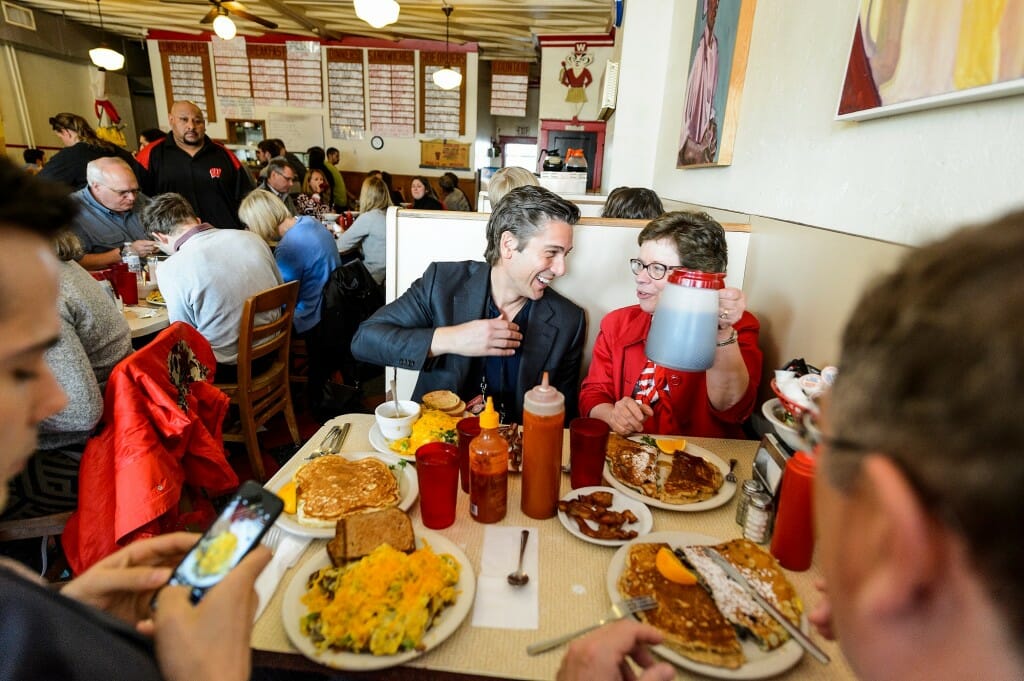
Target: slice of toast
(692, 625)
(358, 535)
(738, 606)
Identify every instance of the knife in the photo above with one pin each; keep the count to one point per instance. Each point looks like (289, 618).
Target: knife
(794, 631)
(340, 440)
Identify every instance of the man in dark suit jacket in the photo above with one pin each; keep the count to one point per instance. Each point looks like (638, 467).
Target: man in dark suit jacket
(491, 328)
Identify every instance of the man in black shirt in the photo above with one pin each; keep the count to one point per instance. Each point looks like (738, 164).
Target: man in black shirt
(191, 164)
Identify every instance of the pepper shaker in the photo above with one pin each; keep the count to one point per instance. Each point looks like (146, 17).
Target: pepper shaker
(750, 488)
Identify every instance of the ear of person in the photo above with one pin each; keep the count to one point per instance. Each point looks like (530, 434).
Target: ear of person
(509, 243)
(905, 547)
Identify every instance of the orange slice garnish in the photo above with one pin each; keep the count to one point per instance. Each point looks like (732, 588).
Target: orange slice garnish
(672, 569)
(288, 494)
(670, 445)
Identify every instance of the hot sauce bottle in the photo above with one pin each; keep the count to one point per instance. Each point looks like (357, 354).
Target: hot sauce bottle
(488, 470)
(543, 420)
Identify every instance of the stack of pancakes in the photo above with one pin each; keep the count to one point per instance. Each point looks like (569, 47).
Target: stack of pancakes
(705, 621)
(682, 479)
(446, 401)
(332, 487)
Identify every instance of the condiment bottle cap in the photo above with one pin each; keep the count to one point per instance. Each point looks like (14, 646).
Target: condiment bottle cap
(544, 399)
(489, 417)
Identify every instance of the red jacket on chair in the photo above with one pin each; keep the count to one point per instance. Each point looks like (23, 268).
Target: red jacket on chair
(162, 421)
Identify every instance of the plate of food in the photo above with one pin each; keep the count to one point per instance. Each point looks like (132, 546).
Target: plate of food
(156, 298)
(432, 426)
(332, 486)
(603, 516)
(354, 618)
(711, 625)
(689, 478)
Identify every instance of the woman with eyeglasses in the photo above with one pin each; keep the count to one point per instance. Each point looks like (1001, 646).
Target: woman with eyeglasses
(634, 395)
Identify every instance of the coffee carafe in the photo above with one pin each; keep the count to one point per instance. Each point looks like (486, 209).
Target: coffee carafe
(552, 159)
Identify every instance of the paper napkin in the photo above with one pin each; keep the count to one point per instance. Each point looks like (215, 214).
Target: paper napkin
(288, 551)
(498, 604)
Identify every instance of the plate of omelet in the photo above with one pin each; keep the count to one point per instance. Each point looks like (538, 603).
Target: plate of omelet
(365, 612)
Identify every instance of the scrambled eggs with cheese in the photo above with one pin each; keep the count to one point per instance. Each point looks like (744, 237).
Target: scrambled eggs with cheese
(432, 426)
(214, 554)
(383, 603)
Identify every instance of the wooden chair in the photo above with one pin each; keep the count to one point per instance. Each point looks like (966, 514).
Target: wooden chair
(42, 527)
(266, 394)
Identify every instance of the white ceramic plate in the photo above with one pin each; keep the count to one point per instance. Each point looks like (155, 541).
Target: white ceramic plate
(292, 610)
(725, 492)
(408, 486)
(759, 664)
(620, 502)
(380, 443)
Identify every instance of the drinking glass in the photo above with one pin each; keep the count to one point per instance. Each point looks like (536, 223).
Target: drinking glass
(588, 440)
(437, 471)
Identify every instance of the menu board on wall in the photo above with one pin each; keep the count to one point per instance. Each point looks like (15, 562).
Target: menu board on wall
(347, 102)
(231, 65)
(187, 76)
(509, 86)
(269, 75)
(392, 92)
(442, 112)
(305, 82)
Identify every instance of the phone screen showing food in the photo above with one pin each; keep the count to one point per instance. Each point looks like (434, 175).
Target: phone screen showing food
(238, 528)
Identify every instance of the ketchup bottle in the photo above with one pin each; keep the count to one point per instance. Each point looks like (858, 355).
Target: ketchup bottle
(488, 470)
(543, 420)
(793, 540)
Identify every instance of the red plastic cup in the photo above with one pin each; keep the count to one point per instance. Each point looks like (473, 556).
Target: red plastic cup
(127, 287)
(588, 440)
(468, 428)
(437, 471)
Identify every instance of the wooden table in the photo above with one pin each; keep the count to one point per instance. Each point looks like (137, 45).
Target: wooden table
(572, 585)
(144, 326)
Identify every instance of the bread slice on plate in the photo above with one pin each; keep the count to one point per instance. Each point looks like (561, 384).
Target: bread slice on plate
(358, 535)
(738, 606)
(441, 400)
(686, 614)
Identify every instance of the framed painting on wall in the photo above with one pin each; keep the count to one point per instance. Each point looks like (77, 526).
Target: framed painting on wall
(718, 65)
(908, 55)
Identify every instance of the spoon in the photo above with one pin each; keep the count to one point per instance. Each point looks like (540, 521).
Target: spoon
(394, 396)
(520, 578)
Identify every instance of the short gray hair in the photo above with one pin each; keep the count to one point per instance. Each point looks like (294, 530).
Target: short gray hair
(526, 211)
(166, 213)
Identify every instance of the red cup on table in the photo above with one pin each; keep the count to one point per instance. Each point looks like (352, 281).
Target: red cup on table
(437, 471)
(468, 428)
(128, 287)
(588, 440)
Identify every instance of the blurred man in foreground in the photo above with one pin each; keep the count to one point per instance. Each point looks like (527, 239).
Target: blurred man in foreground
(918, 490)
(45, 634)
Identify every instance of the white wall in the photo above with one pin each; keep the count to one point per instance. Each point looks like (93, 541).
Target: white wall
(905, 179)
(399, 156)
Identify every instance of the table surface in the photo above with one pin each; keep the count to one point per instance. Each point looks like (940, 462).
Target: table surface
(143, 326)
(572, 580)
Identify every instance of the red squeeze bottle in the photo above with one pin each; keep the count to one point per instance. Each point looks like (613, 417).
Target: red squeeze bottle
(543, 421)
(793, 539)
(488, 470)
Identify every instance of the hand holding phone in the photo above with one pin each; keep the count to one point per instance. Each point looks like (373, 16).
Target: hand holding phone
(234, 533)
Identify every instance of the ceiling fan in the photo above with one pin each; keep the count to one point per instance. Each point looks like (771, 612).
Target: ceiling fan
(224, 8)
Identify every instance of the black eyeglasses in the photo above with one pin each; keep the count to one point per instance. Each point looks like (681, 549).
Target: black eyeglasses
(123, 193)
(655, 269)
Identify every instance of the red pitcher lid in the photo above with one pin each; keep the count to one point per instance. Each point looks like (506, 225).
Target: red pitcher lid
(697, 279)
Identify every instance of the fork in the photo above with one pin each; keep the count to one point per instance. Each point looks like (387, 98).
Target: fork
(272, 537)
(617, 612)
(326, 445)
(731, 476)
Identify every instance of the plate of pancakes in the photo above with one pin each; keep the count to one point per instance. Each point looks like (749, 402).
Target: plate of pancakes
(710, 626)
(331, 486)
(689, 479)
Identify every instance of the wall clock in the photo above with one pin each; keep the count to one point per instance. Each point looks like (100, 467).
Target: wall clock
(377, 142)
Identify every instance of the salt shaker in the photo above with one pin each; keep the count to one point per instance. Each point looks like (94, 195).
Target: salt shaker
(758, 524)
(750, 488)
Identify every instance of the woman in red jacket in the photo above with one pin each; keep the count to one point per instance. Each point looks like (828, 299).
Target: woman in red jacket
(712, 403)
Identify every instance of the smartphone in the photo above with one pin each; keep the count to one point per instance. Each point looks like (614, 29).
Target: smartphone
(234, 533)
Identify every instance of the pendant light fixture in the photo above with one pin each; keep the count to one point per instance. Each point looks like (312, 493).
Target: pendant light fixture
(447, 78)
(105, 58)
(377, 13)
(223, 26)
